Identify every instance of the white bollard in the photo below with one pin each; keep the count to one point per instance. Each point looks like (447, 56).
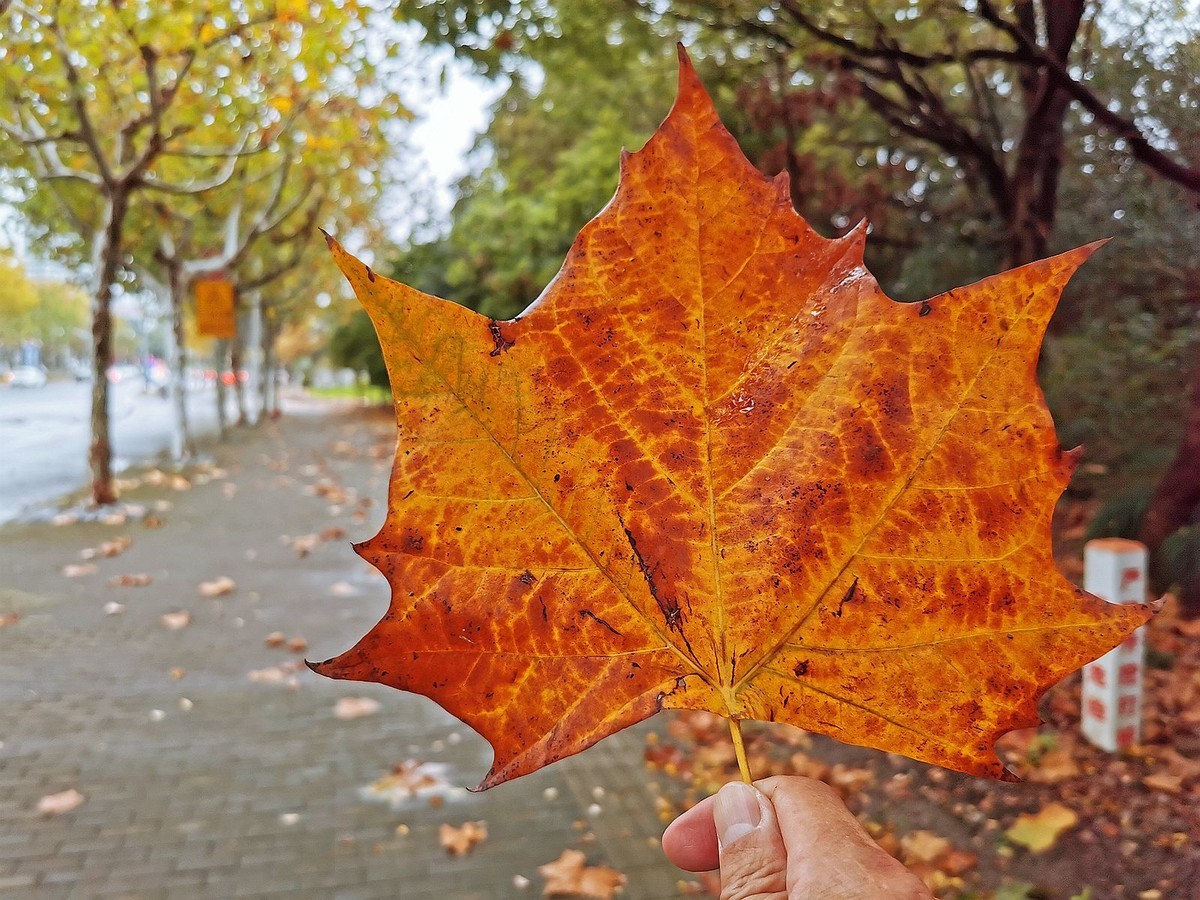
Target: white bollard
(1115, 570)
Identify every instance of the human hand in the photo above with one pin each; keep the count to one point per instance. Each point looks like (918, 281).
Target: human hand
(792, 838)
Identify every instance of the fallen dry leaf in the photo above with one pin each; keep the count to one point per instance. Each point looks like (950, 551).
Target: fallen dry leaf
(355, 707)
(7, 619)
(1164, 782)
(297, 644)
(1039, 831)
(714, 467)
(407, 780)
(1189, 628)
(108, 549)
(139, 579)
(113, 608)
(922, 846)
(704, 883)
(281, 674)
(303, 545)
(173, 621)
(462, 840)
(1054, 766)
(79, 570)
(1180, 765)
(275, 639)
(63, 801)
(850, 780)
(571, 876)
(217, 587)
(931, 857)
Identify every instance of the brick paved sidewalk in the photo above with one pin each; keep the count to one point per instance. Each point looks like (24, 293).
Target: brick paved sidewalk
(201, 782)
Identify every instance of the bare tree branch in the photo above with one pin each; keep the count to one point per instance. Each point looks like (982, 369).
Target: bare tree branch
(79, 104)
(152, 183)
(1140, 147)
(50, 167)
(883, 49)
(36, 135)
(18, 6)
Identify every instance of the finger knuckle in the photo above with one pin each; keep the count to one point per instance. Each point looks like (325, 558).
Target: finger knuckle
(754, 876)
(752, 886)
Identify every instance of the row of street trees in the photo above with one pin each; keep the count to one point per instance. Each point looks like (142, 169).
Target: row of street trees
(972, 134)
(159, 142)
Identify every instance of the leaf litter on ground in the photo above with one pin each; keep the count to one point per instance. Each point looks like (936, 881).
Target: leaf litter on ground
(62, 802)
(462, 839)
(571, 876)
(217, 587)
(1039, 831)
(134, 579)
(348, 708)
(408, 780)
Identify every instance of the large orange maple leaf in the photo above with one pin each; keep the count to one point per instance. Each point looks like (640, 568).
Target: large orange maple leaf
(714, 467)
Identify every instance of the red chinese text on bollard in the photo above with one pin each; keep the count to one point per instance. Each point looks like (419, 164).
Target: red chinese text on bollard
(1115, 569)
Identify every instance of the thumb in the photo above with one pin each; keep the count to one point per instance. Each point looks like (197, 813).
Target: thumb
(752, 854)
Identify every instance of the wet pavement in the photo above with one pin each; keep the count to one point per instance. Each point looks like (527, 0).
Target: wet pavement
(212, 764)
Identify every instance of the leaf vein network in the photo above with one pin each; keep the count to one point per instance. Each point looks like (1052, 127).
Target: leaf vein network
(870, 532)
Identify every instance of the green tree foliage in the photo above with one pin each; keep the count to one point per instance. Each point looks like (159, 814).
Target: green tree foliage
(18, 297)
(578, 93)
(911, 114)
(355, 346)
(105, 104)
(59, 320)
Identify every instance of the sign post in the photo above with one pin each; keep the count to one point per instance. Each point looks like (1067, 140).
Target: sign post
(1115, 570)
(216, 308)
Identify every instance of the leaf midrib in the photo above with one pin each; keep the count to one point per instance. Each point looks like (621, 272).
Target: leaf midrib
(691, 665)
(786, 638)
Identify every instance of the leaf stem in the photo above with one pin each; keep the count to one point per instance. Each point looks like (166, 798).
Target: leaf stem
(739, 748)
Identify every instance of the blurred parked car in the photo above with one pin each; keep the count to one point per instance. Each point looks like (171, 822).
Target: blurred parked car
(29, 377)
(80, 370)
(228, 377)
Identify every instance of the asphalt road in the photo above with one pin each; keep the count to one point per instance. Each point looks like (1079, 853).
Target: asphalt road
(44, 437)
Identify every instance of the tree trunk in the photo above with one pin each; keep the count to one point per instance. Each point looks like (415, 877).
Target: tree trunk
(237, 348)
(1030, 208)
(255, 354)
(270, 380)
(220, 362)
(1175, 499)
(183, 446)
(106, 260)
